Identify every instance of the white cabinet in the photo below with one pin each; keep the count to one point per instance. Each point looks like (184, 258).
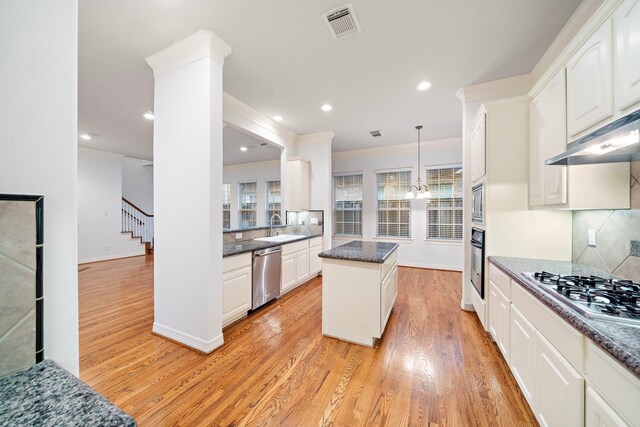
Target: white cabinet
(236, 288)
(499, 306)
(598, 413)
(300, 262)
(626, 23)
(298, 184)
(478, 140)
(522, 339)
(558, 395)
(389, 290)
(590, 82)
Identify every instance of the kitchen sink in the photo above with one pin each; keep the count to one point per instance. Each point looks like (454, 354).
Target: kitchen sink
(280, 238)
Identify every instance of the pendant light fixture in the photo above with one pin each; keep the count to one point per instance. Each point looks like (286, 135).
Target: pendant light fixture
(420, 190)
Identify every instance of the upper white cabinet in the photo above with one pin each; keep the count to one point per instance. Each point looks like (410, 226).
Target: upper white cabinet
(590, 82)
(478, 136)
(626, 23)
(548, 184)
(298, 184)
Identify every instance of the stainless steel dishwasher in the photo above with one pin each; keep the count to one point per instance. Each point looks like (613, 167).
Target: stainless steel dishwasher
(267, 264)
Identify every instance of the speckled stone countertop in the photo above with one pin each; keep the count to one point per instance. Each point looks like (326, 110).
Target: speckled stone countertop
(237, 248)
(47, 395)
(620, 340)
(357, 250)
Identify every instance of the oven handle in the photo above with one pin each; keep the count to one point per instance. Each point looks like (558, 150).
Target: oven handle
(476, 244)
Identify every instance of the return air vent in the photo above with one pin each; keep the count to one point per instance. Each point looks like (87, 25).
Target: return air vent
(375, 133)
(342, 21)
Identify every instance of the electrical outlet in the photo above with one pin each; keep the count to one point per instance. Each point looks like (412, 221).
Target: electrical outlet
(238, 236)
(314, 221)
(106, 213)
(106, 247)
(591, 234)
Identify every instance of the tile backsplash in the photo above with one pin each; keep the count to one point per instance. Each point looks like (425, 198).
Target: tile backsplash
(617, 235)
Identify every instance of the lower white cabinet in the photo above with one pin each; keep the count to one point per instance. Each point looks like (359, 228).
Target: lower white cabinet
(300, 262)
(302, 265)
(315, 262)
(522, 340)
(598, 413)
(558, 389)
(289, 277)
(499, 318)
(388, 292)
(236, 287)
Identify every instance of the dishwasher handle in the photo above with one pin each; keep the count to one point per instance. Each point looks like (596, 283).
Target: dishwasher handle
(268, 251)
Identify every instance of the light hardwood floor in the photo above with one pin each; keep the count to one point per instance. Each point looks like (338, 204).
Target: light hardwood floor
(434, 365)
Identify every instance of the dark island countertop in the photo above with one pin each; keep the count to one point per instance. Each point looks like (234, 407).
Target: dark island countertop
(356, 250)
(47, 395)
(237, 248)
(620, 340)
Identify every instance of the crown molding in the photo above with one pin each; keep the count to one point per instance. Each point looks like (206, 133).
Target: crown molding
(582, 24)
(253, 165)
(497, 89)
(326, 136)
(201, 44)
(410, 148)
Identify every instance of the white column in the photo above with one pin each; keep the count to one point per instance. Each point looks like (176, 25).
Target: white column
(316, 147)
(187, 151)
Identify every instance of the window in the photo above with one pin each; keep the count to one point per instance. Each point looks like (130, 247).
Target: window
(248, 192)
(347, 205)
(226, 206)
(274, 202)
(444, 209)
(394, 211)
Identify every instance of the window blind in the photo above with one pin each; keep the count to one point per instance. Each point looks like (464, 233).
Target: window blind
(444, 208)
(393, 210)
(347, 205)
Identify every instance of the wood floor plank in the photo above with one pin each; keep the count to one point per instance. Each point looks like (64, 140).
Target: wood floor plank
(434, 365)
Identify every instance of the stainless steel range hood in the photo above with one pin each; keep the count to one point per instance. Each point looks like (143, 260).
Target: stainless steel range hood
(616, 142)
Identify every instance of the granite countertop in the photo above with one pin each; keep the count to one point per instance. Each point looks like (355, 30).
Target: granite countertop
(357, 250)
(620, 340)
(47, 395)
(237, 248)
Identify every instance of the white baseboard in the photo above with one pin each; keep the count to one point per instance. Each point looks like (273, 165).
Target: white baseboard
(188, 340)
(110, 257)
(431, 266)
(467, 306)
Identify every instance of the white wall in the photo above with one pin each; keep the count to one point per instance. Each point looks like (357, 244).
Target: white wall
(99, 208)
(137, 183)
(416, 251)
(38, 148)
(260, 172)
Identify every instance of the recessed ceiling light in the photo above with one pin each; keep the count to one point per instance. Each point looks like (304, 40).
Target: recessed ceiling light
(243, 148)
(278, 118)
(149, 115)
(424, 85)
(326, 107)
(86, 136)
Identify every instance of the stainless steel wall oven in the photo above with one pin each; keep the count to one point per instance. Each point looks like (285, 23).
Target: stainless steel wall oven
(477, 260)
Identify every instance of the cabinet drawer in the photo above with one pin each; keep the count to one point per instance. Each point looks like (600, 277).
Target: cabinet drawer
(290, 248)
(315, 241)
(622, 390)
(500, 279)
(236, 261)
(563, 336)
(388, 264)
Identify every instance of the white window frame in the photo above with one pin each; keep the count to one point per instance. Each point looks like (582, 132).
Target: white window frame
(428, 209)
(333, 198)
(226, 208)
(242, 210)
(400, 199)
(268, 211)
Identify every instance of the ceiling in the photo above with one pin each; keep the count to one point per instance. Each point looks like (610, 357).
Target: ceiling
(256, 152)
(285, 62)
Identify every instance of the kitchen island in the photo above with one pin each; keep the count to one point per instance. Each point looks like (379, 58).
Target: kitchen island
(359, 288)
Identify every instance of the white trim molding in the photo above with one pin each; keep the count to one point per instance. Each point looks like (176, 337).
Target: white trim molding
(497, 89)
(110, 257)
(188, 340)
(199, 45)
(409, 148)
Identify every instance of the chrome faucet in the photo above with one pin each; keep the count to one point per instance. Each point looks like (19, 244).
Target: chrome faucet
(271, 223)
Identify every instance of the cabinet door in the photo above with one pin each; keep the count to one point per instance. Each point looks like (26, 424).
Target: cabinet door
(305, 186)
(627, 54)
(302, 265)
(599, 413)
(388, 296)
(315, 262)
(289, 275)
(522, 348)
(536, 151)
(555, 139)
(494, 299)
(504, 314)
(590, 82)
(478, 163)
(558, 393)
(236, 294)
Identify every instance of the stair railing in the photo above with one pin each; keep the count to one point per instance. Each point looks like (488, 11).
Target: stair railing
(137, 222)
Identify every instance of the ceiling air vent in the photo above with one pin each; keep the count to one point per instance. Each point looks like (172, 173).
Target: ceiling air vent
(342, 21)
(375, 133)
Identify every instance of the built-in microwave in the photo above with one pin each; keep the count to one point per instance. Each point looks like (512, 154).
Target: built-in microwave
(477, 205)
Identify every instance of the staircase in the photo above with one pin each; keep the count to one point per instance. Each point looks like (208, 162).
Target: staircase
(138, 223)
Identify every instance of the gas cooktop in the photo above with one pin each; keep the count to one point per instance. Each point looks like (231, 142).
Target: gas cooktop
(593, 296)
